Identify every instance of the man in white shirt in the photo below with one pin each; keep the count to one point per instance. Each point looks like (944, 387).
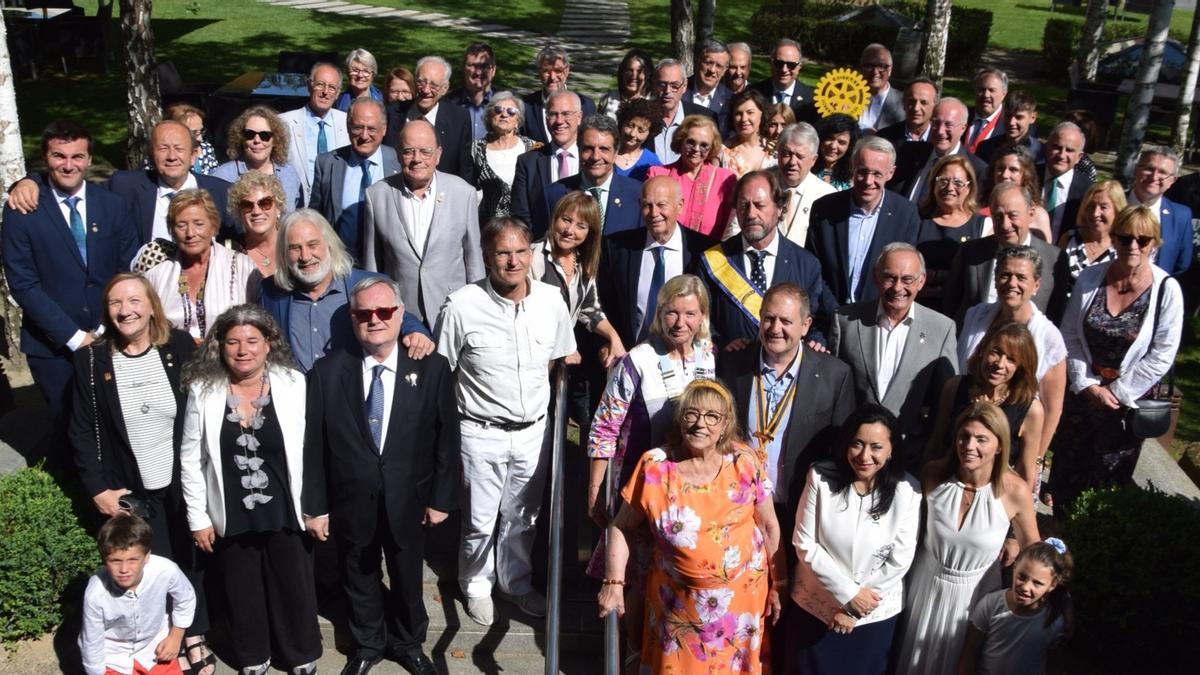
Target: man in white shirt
(317, 127)
(1062, 187)
(886, 106)
(707, 87)
(500, 336)
(670, 84)
(784, 85)
(1155, 173)
(987, 119)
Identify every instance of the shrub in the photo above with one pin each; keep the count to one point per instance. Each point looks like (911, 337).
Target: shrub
(1137, 581)
(43, 552)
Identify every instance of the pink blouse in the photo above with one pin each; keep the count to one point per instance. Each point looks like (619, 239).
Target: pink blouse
(707, 200)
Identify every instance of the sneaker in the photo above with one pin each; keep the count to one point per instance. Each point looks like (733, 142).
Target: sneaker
(481, 610)
(532, 603)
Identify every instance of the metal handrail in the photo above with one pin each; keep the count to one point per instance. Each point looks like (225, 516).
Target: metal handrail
(612, 629)
(554, 582)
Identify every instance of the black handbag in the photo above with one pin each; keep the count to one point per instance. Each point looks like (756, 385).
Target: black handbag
(1152, 417)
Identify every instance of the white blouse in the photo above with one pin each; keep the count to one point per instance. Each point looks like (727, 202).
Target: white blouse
(232, 279)
(842, 548)
(1051, 350)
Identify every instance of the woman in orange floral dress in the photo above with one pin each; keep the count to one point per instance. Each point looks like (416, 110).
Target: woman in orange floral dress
(717, 564)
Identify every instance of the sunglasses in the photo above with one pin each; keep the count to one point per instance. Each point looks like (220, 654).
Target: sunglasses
(789, 65)
(266, 204)
(264, 136)
(364, 315)
(504, 110)
(1143, 241)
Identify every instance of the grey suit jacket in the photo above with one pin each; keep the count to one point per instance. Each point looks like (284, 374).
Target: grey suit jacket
(893, 109)
(329, 175)
(298, 151)
(451, 257)
(928, 359)
(973, 273)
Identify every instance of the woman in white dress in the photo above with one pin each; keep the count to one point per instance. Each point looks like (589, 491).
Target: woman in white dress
(972, 498)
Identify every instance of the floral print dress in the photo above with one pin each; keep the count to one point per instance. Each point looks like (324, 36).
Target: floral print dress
(707, 590)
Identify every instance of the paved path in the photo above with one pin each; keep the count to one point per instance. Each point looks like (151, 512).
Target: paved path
(593, 32)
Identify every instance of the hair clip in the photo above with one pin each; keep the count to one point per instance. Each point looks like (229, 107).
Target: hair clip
(1058, 544)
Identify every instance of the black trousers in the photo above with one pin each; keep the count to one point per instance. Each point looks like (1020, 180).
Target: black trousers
(391, 620)
(270, 597)
(54, 377)
(173, 540)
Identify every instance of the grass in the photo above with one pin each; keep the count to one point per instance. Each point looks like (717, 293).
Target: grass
(538, 16)
(1018, 24)
(1187, 379)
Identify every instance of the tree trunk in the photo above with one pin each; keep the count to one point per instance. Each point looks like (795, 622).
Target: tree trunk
(683, 33)
(1137, 115)
(1089, 40)
(141, 78)
(704, 20)
(1187, 93)
(12, 168)
(937, 32)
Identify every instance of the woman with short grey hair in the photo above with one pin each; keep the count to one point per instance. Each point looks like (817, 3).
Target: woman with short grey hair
(494, 156)
(361, 69)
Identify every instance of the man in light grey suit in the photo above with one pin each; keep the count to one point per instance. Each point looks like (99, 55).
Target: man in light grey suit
(317, 127)
(422, 226)
(341, 177)
(901, 352)
(886, 106)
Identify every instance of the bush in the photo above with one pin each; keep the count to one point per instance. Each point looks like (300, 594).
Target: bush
(1137, 582)
(43, 552)
(1060, 42)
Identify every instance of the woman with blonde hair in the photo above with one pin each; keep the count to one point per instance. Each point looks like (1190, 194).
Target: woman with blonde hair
(256, 200)
(707, 188)
(1091, 243)
(258, 141)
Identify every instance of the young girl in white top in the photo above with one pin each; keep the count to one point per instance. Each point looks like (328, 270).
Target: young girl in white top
(1012, 630)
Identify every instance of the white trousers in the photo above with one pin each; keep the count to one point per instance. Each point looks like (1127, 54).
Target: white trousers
(503, 480)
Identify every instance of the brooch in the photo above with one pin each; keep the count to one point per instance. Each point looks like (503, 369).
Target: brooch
(922, 338)
(411, 379)
(616, 201)
(108, 377)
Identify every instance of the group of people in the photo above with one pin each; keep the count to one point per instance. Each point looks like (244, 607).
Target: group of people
(816, 363)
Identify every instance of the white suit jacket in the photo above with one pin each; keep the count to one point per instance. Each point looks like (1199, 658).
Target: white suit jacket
(298, 150)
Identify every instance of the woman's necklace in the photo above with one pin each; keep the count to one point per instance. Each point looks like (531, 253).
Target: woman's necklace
(184, 291)
(254, 478)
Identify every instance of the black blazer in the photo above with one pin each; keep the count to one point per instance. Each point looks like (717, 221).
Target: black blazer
(620, 268)
(453, 126)
(988, 147)
(113, 466)
(1080, 183)
(828, 231)
(140, 188)
(824, 399)
(802, 100)
(910, 163)
(896, 134)
(972, 273)
(530, 181)
(346, 477)
(535, 115)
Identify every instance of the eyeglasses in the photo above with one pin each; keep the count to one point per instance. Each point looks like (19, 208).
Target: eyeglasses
(324, 86)
(785, 65)
(360, 128)
(1143, 241)
(943, 181)
(711, 419)
(264, 136)
(672, 86)
(361, 72)
(504, 110)
(266, 204)
(891, 279)
(697, 145)
(413, 152)
(428, 84)
(364, 315)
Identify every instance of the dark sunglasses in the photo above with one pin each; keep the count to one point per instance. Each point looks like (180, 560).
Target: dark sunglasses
(1143, 241)
(790, 65)
(264, 136)
(364, 315)
(504, 110)
(266, 204)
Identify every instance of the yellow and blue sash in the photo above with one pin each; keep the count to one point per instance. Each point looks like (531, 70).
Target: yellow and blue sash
(733, 283)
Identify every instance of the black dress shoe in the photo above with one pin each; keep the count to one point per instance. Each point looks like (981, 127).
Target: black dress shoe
(358, 666)
(416, 662)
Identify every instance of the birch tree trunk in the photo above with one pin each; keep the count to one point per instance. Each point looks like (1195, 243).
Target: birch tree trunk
(1187, 93)
(937, 32)
(683, 33)
(12, 168)
(1089, 40)
(1137, 115)
(141, 78)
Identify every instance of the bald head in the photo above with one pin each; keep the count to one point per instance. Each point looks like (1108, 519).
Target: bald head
(661, 202)
(949, 123)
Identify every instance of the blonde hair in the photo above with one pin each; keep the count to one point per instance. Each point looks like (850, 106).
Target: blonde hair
(679, 287)
(1108, 188)
(707, 394)
(691, 122)
(160, 328)
(249, 182)
(185, 199)
(1138, 221)
(586, 209)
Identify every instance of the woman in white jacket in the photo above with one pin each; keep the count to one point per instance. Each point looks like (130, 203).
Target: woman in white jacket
(1122, 329)
(855, 537)
(242, 458)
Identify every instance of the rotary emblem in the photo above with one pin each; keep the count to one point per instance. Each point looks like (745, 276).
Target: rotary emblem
(842, 90)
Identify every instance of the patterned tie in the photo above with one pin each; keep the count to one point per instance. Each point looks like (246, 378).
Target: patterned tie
(564, 166)
(322, 141)
(374, 406)
(657, 279)
(77, 230)
(597, 193)
(758, 273)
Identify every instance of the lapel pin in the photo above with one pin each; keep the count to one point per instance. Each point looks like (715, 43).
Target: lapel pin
(441, 196)
(108, 377)
(922, 338)
(95, 227)
(411, 379)
(616, 201)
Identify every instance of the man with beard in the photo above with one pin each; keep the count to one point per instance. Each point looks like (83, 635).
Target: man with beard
(901, 352)
(309, 293)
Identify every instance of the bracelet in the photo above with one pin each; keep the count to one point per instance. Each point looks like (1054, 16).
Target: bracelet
(613, 582)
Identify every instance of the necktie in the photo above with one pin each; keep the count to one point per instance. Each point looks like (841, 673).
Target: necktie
(1052, 195)
(975, 133)
(564, 166)
(374, 406)
(780, 97)
(657, 279)
(77, 227)
(322, 141)
(758, 273)
(362, 186)
(598, 194)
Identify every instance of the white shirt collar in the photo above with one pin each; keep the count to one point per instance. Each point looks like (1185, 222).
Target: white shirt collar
(189, 183)
(326, 118)
(430, 189)
(678, 118)
(791, 88)
(1155, 205)
(391, 362)
(1064, 181)
(59, 195)
(881, 316)
(989, 118)
(572, 149)
(587, 183)
(772, 248)
(933, 156)
(675, 243)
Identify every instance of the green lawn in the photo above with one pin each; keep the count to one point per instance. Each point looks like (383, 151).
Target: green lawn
(1018, 24)
(1187, 378)
(538, 16)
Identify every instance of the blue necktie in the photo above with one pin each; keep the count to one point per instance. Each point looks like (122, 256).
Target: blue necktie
(322, 142)
(374, 406)
(656, 283)
(758, 273)
(77, 230)
(366, 183)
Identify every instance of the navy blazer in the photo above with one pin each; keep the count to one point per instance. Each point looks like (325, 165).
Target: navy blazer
(140, 188)
(620, 270)
(341, 331)
(325, 196)
(530, 181)
(896, 134)
(802, 99)
(828, 232)
(1176, 253)
(623, 211)
(57, 290)
(535, 115)
(910, 163)
(793, 264)
(720, 99)
(454, 129)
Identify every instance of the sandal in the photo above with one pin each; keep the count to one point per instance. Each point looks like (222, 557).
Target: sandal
(207, 658)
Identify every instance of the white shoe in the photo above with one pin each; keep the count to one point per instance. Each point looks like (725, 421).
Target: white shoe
(532, 603)
(481, 610)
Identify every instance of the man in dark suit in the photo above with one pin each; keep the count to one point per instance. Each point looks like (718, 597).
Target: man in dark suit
(920, 97)
(1157, 169)
(452, 123)
(739, 270)
(479, 69)
(552, 162)
(670, 84)
(617, 195)
(972, 275)
(630, 261)
(357, 166)
(706, 87)
(1020, 128)
(381, 463)
(848, 229)
(886, 106)
(554, 68)
(1062, 186)
(783, 85)
(57, 260)
(738, 74)
(915, 160)
(987, 117)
